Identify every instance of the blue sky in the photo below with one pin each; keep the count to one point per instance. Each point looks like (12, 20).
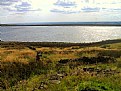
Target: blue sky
(25, 11)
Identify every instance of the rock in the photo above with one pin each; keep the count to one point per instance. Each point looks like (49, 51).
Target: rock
(55, 81)
(54, 77)
(57, 76)
(61, 75)
(43, 85)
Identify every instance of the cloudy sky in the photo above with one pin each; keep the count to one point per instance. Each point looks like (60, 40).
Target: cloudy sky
(25, 11)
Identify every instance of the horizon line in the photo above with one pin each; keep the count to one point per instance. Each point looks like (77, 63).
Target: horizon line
(106, 23)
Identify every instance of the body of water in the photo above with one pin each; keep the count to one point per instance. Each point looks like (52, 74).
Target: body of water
(74, 34)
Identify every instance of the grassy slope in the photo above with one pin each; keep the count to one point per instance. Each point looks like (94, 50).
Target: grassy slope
(20, 72)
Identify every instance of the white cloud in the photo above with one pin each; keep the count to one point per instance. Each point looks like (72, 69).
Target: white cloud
(65, 3)
(8, 2)
(18, 6)
(66, 7)
(23, 7)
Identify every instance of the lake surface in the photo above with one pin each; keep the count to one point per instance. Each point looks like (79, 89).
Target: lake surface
(74, 34)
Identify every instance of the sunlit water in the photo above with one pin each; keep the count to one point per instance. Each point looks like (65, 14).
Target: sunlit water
(59, 33)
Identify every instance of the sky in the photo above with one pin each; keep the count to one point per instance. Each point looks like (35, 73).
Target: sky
(29, 11)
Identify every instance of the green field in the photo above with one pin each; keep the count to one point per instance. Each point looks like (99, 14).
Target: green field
(62, 67)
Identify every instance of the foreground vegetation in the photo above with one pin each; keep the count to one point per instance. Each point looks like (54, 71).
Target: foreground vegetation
(87, 67)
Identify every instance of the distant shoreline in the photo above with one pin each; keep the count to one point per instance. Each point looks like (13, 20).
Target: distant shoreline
(114, 23)
(60, 24)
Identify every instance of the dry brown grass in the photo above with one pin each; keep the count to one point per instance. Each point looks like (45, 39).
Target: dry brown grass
(55, 54)
(15, 55)
(57, 57)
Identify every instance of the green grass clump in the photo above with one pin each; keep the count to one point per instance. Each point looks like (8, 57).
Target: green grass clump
(94, 86)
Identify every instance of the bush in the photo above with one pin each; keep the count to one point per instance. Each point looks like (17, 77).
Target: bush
(111, 53)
